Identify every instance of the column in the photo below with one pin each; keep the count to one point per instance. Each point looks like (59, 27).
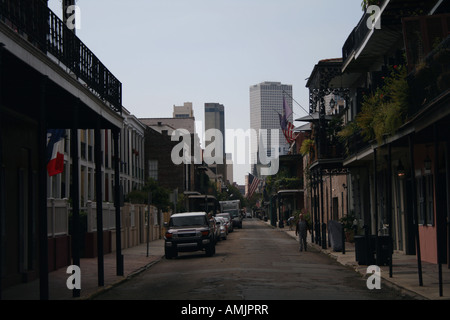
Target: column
(119, 257)
(98, 197)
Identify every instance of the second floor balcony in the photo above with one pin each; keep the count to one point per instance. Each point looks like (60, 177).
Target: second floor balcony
(427, 40)
(367, 44)
(34, 22)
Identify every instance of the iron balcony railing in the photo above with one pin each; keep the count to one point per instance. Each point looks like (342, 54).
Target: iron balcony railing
(36, 23)
(427, 43)
(356, 38)
(430, 79)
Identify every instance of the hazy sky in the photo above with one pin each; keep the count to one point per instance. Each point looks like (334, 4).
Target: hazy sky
(167, 52)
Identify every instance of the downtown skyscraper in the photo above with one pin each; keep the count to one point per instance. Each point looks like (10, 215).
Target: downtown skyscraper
(266, 104)
(215, 119)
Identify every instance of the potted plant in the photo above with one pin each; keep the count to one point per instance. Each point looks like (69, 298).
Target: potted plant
(347, 224)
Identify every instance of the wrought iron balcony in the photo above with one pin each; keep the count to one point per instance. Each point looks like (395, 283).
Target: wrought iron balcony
(428, 52)
(356, 38)
(36, 23)
(366, 45)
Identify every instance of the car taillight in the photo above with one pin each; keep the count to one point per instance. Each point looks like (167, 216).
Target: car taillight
(205, 233)
(169, 235)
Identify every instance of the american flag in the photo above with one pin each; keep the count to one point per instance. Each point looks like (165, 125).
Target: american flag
(253, 183)
(286, 126)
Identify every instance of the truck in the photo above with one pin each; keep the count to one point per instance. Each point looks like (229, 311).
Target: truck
(234, 208)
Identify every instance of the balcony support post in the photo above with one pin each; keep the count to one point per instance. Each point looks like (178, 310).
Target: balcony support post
(98, 196)
(42, 202)
(119, 256)
(414, 206)
(75, 192)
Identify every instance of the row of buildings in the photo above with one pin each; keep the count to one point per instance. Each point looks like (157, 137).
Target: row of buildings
(50, 80)
(374, 150)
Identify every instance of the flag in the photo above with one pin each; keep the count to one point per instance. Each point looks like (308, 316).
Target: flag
(286, 126)
(55, 151)
(253, 183)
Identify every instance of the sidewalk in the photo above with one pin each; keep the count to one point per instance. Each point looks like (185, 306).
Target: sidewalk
(405, 275)
(135, 260)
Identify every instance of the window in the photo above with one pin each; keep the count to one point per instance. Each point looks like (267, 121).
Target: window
(425, 199)
(153, 169)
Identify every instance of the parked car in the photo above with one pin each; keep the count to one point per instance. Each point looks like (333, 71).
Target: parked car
(226, 223)
(236, 218)
(216, 226)
(222, 227)
(189, 232)
(230, 219)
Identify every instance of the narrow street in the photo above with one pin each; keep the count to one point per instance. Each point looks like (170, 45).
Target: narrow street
(256, 262)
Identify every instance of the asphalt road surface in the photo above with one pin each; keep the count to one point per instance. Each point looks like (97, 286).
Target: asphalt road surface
(256, 262)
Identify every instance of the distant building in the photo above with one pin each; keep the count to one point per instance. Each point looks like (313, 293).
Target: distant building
(158, 149)
(266, 103)
(175, 123)
(215, 119)
(184, 111)
(159, 166)
(229, 164)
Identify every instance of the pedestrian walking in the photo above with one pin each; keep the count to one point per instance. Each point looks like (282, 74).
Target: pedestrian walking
(301, 230)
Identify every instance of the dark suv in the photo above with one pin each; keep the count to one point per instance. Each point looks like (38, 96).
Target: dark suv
(189, 232)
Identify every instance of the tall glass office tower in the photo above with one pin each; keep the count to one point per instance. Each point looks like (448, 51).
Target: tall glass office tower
(266, 103)
(215, 119)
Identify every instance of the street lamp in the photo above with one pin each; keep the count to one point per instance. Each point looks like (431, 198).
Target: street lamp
(332, 105)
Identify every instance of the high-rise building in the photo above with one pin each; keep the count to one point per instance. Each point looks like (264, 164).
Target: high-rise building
(184, 111)
(215, 119)
(266, 103)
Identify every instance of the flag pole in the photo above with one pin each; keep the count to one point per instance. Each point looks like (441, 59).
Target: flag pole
(307, 112)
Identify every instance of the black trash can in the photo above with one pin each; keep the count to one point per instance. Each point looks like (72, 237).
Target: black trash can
(365, 250)
(384, 250)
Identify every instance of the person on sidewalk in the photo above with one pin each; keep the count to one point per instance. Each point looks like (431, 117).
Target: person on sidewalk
(301, 230)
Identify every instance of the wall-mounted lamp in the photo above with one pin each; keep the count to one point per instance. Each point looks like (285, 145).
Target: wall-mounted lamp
(401, 172)
(332, 105)
(427, 164)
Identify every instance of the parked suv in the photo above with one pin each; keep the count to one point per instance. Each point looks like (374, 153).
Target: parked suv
(189, 232)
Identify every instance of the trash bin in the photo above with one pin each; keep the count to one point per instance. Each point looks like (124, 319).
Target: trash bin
(384, 250)
(335, 235)
(365, 250)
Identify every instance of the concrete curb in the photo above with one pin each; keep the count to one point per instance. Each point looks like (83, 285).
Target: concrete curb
(119, 282)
